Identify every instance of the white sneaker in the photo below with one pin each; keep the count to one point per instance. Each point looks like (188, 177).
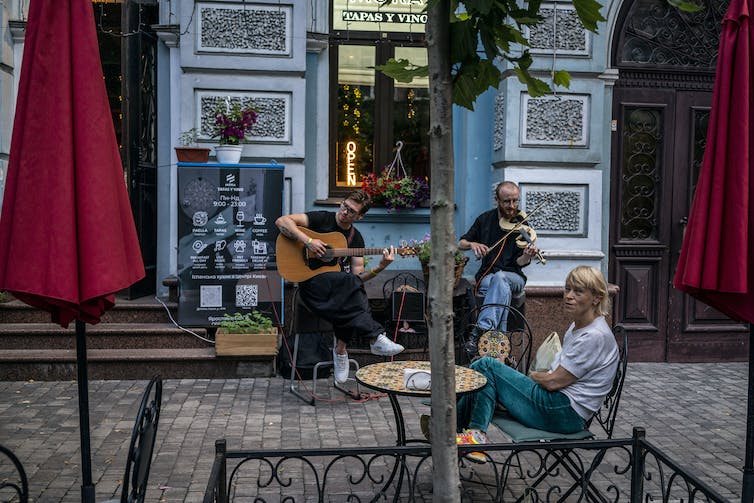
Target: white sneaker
(382, 346)
(340, 367)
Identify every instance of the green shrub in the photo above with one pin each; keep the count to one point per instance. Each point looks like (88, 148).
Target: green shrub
(246, 322)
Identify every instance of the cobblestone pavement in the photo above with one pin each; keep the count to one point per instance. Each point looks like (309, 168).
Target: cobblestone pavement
(696, 412)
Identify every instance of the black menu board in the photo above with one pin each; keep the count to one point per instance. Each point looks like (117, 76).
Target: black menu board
(226, 241)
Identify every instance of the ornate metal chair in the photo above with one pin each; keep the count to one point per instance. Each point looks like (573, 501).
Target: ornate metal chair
(604, 418)
(13, 488)
(406, 307)
(519, 335)
(142, 445)
(517, 318)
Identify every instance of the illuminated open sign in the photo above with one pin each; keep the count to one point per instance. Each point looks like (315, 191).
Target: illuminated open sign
(351, 163)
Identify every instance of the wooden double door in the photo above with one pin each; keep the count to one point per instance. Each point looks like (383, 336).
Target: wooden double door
(658, 144)
(666, 59)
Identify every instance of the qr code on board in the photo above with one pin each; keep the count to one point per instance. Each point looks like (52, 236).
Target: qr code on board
(247, 295)
(210, 296)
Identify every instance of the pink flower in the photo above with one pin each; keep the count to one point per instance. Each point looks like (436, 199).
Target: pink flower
(233, 123)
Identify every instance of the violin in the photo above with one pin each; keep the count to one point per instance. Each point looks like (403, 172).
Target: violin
(526, 234)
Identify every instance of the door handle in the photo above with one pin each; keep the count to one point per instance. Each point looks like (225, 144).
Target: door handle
(683, 221)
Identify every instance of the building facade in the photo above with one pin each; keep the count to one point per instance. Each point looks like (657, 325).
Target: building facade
(609, 163)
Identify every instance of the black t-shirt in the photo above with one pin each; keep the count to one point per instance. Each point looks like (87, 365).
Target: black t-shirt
(324, 221)
(486, 229)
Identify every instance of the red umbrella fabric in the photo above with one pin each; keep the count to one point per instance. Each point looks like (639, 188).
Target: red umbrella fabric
(67, 236)
(717, 258)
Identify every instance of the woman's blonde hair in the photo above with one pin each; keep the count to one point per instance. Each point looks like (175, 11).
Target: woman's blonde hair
(592, 279)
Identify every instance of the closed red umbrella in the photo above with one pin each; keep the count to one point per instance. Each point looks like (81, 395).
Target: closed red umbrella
(717, 258)
(67, 236)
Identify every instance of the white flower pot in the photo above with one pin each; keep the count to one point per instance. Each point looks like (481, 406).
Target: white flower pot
(228, 154)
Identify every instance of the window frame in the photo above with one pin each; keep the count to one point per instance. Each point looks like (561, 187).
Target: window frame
(385, 44)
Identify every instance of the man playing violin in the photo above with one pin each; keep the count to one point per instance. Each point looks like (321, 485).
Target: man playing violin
(500, 276)
(339, 297)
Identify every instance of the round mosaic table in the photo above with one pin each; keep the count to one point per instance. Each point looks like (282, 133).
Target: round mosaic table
(388, 378)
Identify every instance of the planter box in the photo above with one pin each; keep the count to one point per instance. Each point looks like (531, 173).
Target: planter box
(192, 154)
(251, 344)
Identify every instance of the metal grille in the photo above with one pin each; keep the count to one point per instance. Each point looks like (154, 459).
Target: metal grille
(641, 173)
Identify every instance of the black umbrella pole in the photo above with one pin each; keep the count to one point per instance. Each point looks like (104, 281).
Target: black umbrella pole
(747, 492)
(87, 487)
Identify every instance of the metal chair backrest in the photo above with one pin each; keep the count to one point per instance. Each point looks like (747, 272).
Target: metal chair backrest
(520, 338)
(606, 415)
(19, 491)
(142, 444)
(405, 296)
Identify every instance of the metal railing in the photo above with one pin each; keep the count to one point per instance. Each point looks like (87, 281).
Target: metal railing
(630, 469)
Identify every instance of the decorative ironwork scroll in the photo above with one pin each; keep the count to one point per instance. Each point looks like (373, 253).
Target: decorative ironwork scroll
(658, 34)
(628, 469)
(641, 174)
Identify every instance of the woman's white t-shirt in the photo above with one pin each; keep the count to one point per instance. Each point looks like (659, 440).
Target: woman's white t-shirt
(591, 354)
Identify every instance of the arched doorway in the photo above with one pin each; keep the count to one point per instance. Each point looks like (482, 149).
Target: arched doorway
(666, 61)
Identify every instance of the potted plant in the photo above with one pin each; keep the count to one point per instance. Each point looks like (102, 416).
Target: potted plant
(423, 250)
(233, 123)
(189, 151)
(247, 334)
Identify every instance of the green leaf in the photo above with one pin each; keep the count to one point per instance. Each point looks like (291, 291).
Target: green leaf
(474, 79)
(524, 61)
(686, 6)
(589, 13)
(483, 7)
(534, 86)
(561, 78)
(402, 70)
(507, 34)
(534, 7)
(463, 41)
(487, 37)
(464, 92)
(523, 18)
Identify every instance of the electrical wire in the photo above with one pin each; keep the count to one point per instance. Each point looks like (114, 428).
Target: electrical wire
(210, 341)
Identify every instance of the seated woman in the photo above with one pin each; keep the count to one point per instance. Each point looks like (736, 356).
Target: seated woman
(564, 398)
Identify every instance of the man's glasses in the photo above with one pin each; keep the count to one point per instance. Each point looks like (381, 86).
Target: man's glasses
(347, 209)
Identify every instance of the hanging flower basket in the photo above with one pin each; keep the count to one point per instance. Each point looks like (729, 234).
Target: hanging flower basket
(394, 188)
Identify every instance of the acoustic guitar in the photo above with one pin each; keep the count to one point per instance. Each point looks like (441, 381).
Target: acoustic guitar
(295, 264)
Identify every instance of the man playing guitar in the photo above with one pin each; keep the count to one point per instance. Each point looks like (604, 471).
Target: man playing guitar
(339, 297)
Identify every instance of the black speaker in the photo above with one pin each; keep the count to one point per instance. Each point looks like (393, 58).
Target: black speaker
(408, 306)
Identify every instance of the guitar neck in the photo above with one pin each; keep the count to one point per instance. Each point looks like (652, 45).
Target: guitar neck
(353, 252)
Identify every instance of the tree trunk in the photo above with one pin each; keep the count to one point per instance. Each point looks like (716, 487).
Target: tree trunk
(442, 354)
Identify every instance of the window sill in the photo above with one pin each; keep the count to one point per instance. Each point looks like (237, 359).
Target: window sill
(380, 214)
(405, 216)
